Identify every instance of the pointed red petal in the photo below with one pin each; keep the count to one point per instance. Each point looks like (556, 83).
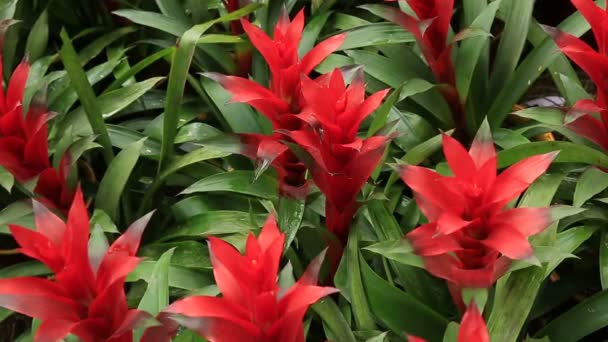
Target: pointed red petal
(509, 241)
(426, 242)
(228, 264)
(38, 246)
(205, 306)
(528, 221)
(53, 330)
(318, 53)
(473, 328)
(48, 223)
(16, 86)
(36, 151)
(482, 150)
(592, 129)
(38, 298)
(511, 182)
(428, 186)
(263, 43)
(596, 17)
(76, 242)
(353, 122)
(461, 163)
(449, 223)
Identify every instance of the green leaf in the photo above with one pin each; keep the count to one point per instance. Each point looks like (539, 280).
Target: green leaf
(241, 182)
(580, 321)
(123, 137)
(189, 254)
(471, 50)
(156, 296)
(154, 20)
(104, 221)
(6, 179)
(24, 269)
(141, 65)
(115, 179)
(87, 96)
(604, 260)
(38, 38)
(375, 34)
(19, 213)
(361, 310)
(217, 223)
(569, 153)
(591, 183)
(111, 103)
(173, 9)
(398, 310)
(399, 250)
(179, 277)
(512, 42)
(330, 314)
(547, 115)
(290, 215)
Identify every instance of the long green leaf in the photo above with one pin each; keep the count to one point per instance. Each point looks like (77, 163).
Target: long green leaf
(512, 41)
(86, 94)
(530, 68)
(115, 179)
(180, 65)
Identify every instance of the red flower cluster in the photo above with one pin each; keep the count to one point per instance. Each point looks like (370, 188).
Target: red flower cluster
(252, 307)
(472, 328)
(322, 116)
(341, 161)
(87, 297)
(471, 237)
(24, 149)
(595, 64)
(283, 100)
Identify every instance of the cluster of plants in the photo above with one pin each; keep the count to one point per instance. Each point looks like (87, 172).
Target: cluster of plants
(285, 171)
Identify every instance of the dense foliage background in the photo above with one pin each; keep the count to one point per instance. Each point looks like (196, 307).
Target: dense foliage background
(139, 107)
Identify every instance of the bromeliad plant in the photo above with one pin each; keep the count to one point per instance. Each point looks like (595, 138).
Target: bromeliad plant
(262, 136)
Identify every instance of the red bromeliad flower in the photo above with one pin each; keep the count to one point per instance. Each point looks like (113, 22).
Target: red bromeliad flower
(431, 29)
(471, 235)
(342, 162)
(87, 297)
(595, 64)
(252, 307)
(282, 101)
(24, 149)
(472, 328)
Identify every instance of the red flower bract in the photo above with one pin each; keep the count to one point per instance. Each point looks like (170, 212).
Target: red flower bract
(282, 101)
(471, 235)
(253, 307)
(87, 297)
(595, 64)
(341, 162)
(24, 149)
